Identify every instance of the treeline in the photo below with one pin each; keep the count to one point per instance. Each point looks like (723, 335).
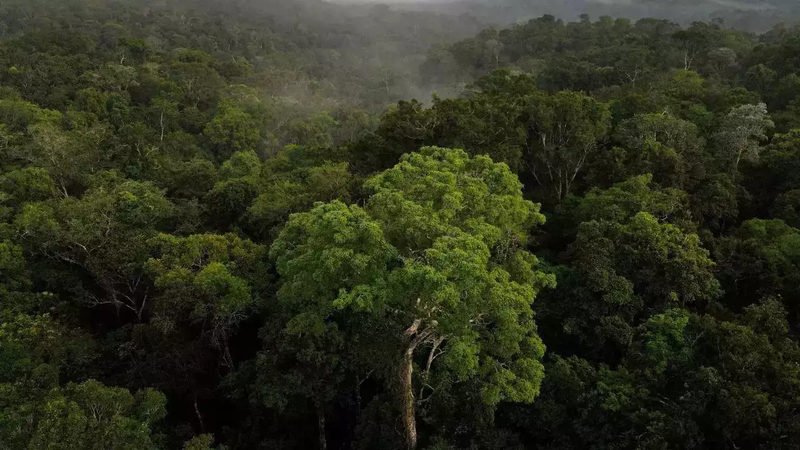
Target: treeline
(751, 15)
(206, 244)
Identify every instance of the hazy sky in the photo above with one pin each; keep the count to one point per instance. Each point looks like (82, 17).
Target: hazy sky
(391, 1)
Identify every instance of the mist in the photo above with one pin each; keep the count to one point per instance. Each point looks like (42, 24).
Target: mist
(752, 15)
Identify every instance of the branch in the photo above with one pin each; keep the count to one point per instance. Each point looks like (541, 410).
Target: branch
(431, 357)
(412, 330)
(532, 169)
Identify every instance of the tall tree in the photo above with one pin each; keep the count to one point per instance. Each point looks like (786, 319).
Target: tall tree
(564, 129)
(438, 257)
(741, 131)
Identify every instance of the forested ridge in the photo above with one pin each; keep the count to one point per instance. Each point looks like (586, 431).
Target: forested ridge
(231, 226)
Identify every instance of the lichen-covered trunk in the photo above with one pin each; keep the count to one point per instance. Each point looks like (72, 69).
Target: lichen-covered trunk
(407, 399)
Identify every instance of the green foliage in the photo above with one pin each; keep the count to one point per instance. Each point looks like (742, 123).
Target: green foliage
(39, 413)
(741, 130)
(31, 184)
(766, 251)
(14, 276)
(223, 202)
(684, 383)
(663, 145)
(103, 234)
(787, 207)
(566, 129)
(204, 264)
(203, 279)
(86, 416)
(293, 181)
(202, 442)
(626, 199)
(779, 160)
(232, 130)
(435, 257)
(629, 259)
(241, 165)
(714, 387)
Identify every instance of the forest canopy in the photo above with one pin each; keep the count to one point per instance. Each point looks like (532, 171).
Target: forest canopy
(298, 224)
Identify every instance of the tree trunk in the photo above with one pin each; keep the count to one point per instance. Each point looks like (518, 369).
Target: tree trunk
(736, 163)
(359, 382)
(407, 400)
(199, 416)
(323, 443)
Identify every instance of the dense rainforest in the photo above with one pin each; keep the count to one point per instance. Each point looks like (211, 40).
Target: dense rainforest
(295, 225)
